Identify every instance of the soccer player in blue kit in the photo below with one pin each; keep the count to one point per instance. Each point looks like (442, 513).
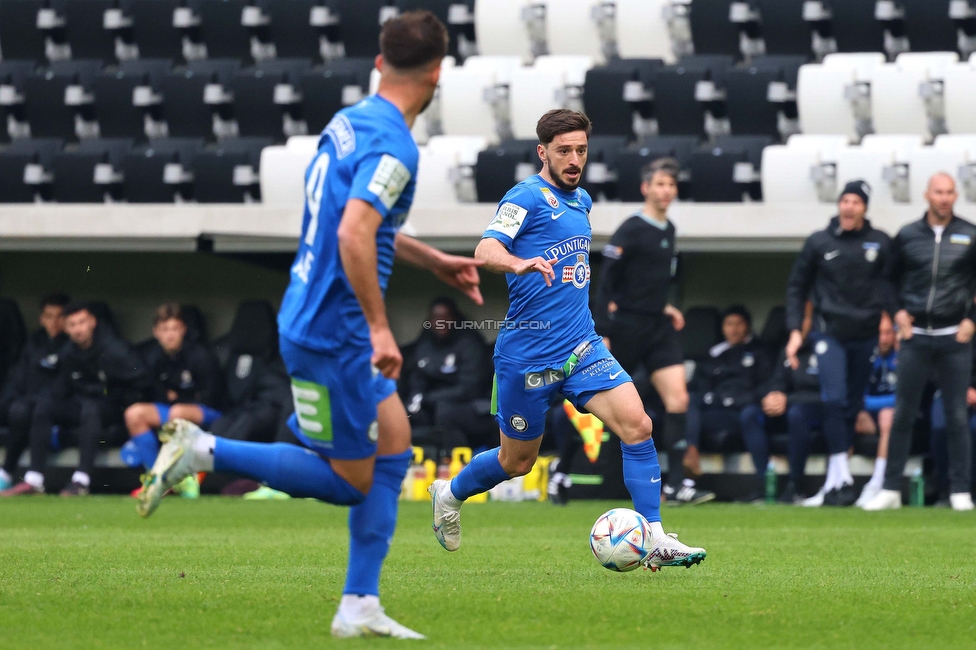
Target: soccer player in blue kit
(540, 238)
(335, 338)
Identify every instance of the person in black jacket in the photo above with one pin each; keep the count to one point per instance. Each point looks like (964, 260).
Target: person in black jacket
(99, 377)
(726, 391)
(446, 382)
(845, 270)
(185, 384)
(638, 323)
(936, 275)
(33, 375)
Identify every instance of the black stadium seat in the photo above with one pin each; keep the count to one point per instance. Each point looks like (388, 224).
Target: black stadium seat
(84, 28)
(711, 30)
(327, 90)
(928, 26)
(774, 334)
(501, 167)
(600, 174)
(702, 330)
(360, 26)
(12, 76)
(91, 171)
(13, 335)
(612, 93)
(228, 173)
(716, 169)
(26, 169)
(292, 30)
(105, 316)
(45, 100)
(152, 28)
(447, 12)
(19, 36)
(631, 162)
(747, 103)
(185, 110)
(121, 108)
(853, 26)
(221, 29)
(677, 111)
(259, 104)
(196, 324)
(160, 170)
(783, 29)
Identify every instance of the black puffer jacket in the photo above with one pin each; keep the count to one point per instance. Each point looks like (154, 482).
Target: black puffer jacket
(732, 376)
(802, 386)
(936, 277)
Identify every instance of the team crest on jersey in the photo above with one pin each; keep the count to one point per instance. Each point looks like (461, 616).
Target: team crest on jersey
(579, 273)
(550, 198)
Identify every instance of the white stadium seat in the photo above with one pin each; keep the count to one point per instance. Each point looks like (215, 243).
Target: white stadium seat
(956, 142)
(553, 82)
(467, 93)
(283, 168)
(899, 90)
(446, 165)
(803, 170)
(960, 97)
(572, 28)
(882, 161)
(824, 92)
(421, 128)
(925, 162)
(642, 31)
(500, 28)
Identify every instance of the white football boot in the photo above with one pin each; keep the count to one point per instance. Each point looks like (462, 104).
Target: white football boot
(668, 551)
(173, 464)
(373, 622)
(815, 501)
(447, 519)
(870, 491)
(885, 500)
(961, 501)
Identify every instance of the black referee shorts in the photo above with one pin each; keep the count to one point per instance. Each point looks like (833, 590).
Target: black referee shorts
(645, 340)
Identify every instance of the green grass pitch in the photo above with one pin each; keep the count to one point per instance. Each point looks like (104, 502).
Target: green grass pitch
(225, 573)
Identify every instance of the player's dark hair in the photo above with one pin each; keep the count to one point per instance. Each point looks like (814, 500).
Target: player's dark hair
(559, 121)
(452, 306)
(668, 166)
(740, 311)
(73, 308)
(55, 299)
(413, 40)
(168, 311)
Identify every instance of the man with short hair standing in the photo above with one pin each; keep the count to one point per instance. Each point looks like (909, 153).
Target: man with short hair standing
(935, 272)
(845, 271)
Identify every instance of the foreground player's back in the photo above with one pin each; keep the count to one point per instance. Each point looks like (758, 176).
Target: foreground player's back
(366, 152)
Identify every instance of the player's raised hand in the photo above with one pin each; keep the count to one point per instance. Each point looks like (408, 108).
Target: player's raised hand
(462, 274)
(386, 355)
(524, 267)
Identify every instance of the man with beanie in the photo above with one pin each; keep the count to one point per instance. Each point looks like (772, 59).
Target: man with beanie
(640, 325)
(845, 271)
(935, 271)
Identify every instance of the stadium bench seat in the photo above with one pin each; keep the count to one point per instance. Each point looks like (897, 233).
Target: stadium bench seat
(728, 168)
(572, 28)
(803, 170)
(160, 171)
(679, 112)
(502, 30)
(711, 30)
(254, 332)
(880, 160)
(325, 91)
(823, 91)
(924, 162)
(360, 26)
(283, 171)
(928, 26)
(126, 96)
(613, 93)
(473, 96)
(193, 96)
(85, 29)
(103, 312)
(228, 173)
(26, 169)
(642, 31)
(445, 173)
(702, 330)
(58, 100)
(501, 167)
(760, 95)
(153, 32)
(784, 31)
(12, 76)
(91, 172)
(631, 161)
(774, 334)
(901, 91)
(267, 101)
(552, 82)
(19, 36)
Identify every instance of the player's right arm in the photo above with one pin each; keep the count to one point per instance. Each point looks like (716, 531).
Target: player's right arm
(497, 258)
(357, 249)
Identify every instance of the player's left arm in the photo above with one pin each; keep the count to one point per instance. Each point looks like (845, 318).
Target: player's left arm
(454, 270)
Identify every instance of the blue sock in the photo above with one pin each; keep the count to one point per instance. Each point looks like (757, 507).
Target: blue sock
(371, 525)
(642, 476)
(481, 474)
(296, 470)
(147, 447)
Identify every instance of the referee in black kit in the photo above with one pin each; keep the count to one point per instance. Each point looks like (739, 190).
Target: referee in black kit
(936, 275)
(637, 322)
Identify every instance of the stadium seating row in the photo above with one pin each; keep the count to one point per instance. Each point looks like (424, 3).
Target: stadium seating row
(814, 167)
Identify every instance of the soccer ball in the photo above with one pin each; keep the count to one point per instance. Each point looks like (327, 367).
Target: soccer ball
(620, 539)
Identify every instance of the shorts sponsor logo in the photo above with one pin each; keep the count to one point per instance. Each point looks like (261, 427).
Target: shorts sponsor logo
(508, 219)
(313, 410)
(342, 134)
(616, 374)
(550, 198)
(389, 180)
(538, 379)
(518, 423)
(599, 368)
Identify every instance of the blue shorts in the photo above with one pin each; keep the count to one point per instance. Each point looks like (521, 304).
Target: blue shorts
(523, 391)
(335, 395)
(209, 415)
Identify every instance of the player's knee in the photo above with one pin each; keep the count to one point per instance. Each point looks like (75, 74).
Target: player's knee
(677, 402)
(517, 465)
(135, 418)
(637, 430)
(361, 483)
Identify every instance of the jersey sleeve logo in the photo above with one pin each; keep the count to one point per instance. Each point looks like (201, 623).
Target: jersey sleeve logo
(508, 219)
(342, 134)
(550, 198)
(613, 252)
(389, 180)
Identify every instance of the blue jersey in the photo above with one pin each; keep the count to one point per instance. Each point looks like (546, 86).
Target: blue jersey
(536, 219)
(880, 390)
(366, 152)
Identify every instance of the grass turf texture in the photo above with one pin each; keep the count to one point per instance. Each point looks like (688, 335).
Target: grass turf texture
(88, 572)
